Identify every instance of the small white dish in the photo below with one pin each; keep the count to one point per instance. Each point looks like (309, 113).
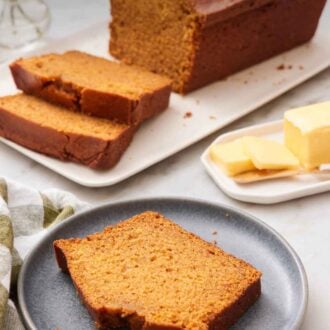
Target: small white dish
(264, 192)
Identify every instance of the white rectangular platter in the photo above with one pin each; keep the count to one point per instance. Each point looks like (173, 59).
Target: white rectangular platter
(211, 107)
(265, 192)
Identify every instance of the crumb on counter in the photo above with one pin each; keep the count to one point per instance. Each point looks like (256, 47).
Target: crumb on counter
(215, 233)
(215, 242)
(284, 67)
(301, 67)
(188, 114)
(212, 117)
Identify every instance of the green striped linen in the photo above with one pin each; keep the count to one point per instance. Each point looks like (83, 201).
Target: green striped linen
(25, 216)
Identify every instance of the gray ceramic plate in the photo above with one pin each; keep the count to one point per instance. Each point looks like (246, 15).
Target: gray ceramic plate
(48, 299)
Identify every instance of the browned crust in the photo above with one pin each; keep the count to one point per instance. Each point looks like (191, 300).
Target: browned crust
(60, 258)
(233, 313)
(93, 152)
(97, 103)
(230, 46)
(108, 319)
(215, 11)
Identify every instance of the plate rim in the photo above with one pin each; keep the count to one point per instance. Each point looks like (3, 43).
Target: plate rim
(301, 312)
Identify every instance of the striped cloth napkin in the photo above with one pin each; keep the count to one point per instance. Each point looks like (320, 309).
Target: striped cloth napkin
(25, 217)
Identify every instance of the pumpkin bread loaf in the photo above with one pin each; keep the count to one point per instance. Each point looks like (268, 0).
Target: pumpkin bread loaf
(55, 131)
(196, 42)
(149, 273)
(93, 85)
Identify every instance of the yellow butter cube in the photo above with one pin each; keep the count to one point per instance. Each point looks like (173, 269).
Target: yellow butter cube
(307, 134)
(231, 157)
(269, 155)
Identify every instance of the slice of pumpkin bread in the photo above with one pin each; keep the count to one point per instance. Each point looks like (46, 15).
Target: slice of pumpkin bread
(57, 132)
(149, 273)
(93, 85)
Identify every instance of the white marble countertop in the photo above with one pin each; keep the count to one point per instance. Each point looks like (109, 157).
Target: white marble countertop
(305, 222)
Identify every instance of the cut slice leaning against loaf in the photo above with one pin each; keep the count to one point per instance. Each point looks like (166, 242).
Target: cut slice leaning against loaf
(149, 273)
(58, 132)
(93, 85)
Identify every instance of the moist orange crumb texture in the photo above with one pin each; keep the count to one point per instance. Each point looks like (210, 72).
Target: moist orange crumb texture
(88, 71)
(60, 119)
(151, 267)
(168, 48)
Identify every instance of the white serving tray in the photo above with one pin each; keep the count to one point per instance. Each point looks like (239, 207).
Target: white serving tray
(212, 107)
(264, 192)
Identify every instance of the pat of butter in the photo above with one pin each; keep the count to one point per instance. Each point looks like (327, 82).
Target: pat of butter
(269, 155)
(307, 134)
(231, 157)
